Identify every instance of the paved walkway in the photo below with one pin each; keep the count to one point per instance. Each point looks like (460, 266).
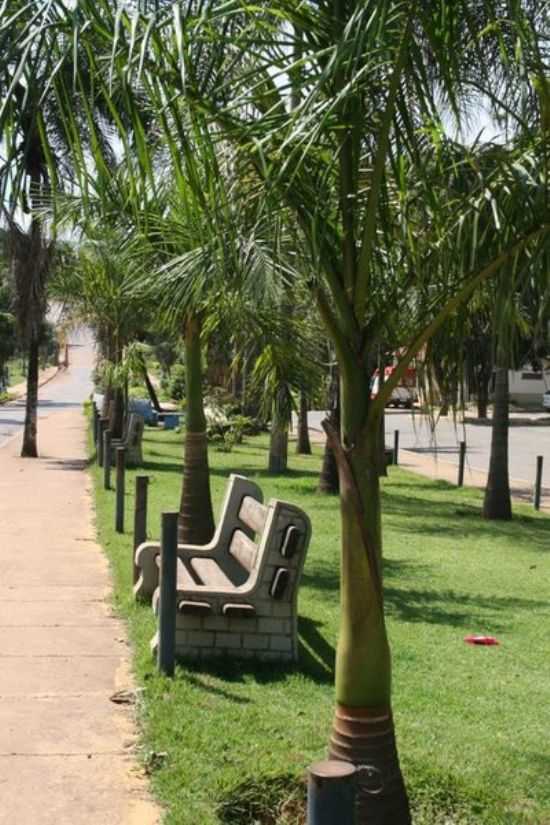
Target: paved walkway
(66, 750)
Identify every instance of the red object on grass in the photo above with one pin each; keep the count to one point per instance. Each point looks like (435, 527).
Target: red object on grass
(481, 640)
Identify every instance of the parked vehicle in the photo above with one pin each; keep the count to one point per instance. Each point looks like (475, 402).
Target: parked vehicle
(401, 397)
(404, 395)
(546, 400)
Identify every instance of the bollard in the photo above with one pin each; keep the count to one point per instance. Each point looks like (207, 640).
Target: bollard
(103, 424)
(396, 447)
(95, 422)
(107, 460)
(120, 488)
(538, 483)
(167, 589)
(331, 793)
(461, 461)
(140, 520)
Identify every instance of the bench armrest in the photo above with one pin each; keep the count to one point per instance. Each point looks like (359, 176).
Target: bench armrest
(146, 559)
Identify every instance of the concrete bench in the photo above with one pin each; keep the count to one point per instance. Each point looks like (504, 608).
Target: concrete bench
(131, 441)
(238, 595)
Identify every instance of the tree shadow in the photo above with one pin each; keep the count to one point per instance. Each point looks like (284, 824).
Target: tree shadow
(432, 517)
(316, 654)
(186, 675)
(163, 466)
(455, 609)
(260, 472)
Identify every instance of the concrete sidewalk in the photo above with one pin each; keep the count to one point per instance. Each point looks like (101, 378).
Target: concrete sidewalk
(66, 750)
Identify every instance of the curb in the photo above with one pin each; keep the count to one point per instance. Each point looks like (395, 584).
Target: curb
(23, 394)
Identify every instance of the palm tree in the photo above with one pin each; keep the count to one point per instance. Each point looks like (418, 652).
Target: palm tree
(36, 147)
(340, 161)
(353, 163)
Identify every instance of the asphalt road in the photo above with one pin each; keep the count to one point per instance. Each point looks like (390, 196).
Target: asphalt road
(68, 389)
(527, 441)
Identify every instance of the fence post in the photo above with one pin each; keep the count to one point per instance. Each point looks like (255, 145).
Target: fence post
(102, 426)
(120, 488)
(461, 461)
(168, 590)
(331, 793)
(538, 483)
(107, 460)
(140, 520)
(396, 447)
(95, 422)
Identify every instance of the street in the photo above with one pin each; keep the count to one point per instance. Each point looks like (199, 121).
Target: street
(415, 434)
(66, 390)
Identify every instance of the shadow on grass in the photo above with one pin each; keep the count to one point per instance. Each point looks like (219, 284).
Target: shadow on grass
(316, 658)
(265, 800)
(455, 609)
(260, 472)
(194, 679)
(432, 517)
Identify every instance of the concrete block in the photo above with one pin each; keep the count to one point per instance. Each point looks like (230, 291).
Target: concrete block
(255, 641)
(201, 638)
(271, 626)
(282, 643)
(228, 640)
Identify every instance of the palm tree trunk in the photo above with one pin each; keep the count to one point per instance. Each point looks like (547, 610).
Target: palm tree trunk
(328, 478)
(497, 504)
(482, 402)
(151, 389)
(30, 444)
(196, 519)
(117, 422)
(278, 443)
(363, 730)
(303, 444)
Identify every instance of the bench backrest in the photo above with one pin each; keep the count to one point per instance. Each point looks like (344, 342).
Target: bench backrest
(268, 542)
(282, 552)
(134, 430)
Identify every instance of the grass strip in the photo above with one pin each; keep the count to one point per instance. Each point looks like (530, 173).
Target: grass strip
(472, 722)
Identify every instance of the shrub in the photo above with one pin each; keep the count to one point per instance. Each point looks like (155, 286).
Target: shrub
(176, 385)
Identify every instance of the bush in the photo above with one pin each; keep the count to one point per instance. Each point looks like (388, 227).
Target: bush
(176, 384)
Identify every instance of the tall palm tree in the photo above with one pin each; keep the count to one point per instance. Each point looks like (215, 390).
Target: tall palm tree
(353, 163)
(342, 161)
(35, 145)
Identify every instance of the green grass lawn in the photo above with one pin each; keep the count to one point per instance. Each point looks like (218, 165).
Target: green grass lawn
(16, 373)
(473, 723)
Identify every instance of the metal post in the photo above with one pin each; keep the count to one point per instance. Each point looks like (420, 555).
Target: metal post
(120, 488)
(331, 793)
(168, 590)
(396, 447)
(103, 424)
(140, 520)
(461, 461)
(95, 422)
(538, 483)
(107, 460)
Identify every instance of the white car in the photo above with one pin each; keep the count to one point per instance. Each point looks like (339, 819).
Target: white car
(546, 400)
(402, 397)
